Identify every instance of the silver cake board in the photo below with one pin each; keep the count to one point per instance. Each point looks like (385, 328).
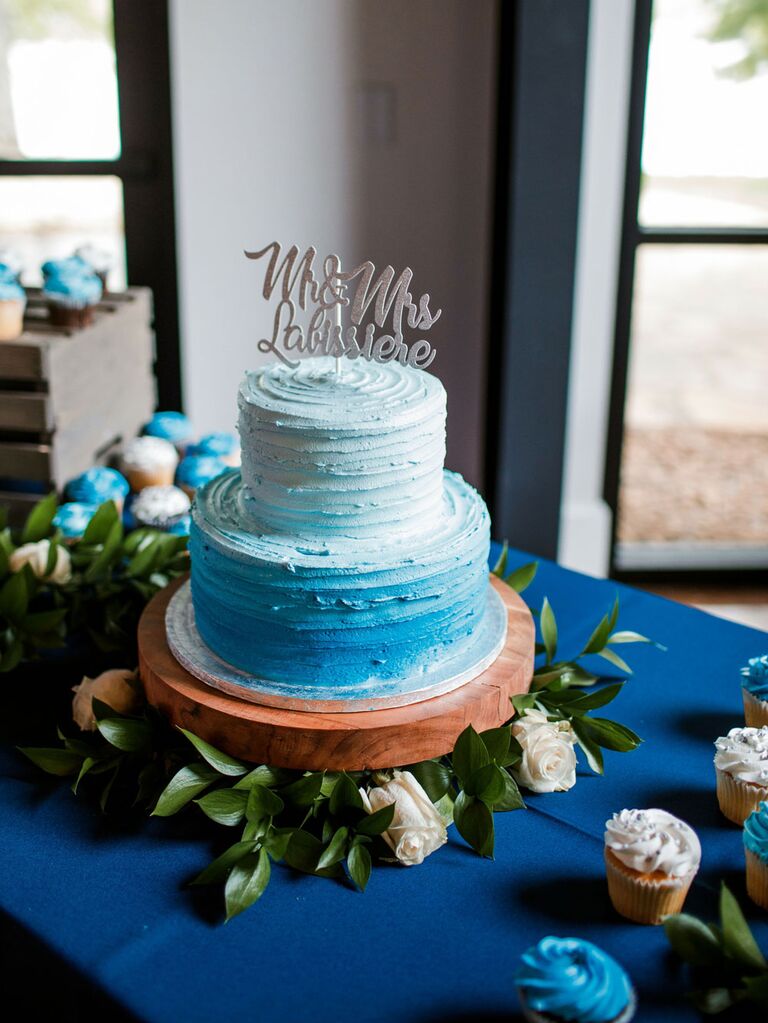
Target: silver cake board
(452, 672)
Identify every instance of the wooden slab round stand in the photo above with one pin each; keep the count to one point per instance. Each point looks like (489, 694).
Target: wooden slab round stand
(335, 741)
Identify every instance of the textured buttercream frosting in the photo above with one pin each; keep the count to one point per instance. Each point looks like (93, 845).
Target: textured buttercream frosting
(653, 840)
(756, 832)
(159, 506)
(342, 552)
(743, 753)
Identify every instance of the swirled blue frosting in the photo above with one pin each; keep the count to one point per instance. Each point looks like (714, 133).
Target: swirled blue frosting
(217, 444)
(195, 470)
(75, 290)
(97, 485)
(756, 832)
(573, 979)
(70, 266)
(172, 426)
(181, 526)
(10, 289)
(755, 676)
(73, 518)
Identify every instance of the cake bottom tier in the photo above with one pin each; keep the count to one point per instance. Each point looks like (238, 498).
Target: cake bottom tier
(341, 612)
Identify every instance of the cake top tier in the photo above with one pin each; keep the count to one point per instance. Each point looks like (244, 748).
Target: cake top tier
(360, 395)
(352, 453)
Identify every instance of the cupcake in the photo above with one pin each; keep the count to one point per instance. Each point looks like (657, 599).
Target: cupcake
(572, 979)
(754, 691)
(13, 301)
(72, 265)
(651, 858)
(149, 462)
(195, 470)
(160, 507)
(10, 263)
(741, 765)
(73, 518)
(98, 260)
(71, 298)
(221, 445)
(756, 852)
(171, 426)
(99, 484)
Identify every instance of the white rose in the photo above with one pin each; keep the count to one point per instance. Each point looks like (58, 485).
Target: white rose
(417, 828)
(118, 688)
(36, 556)
(548, 758)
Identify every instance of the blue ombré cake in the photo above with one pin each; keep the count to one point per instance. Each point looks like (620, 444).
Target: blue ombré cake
(342, 552)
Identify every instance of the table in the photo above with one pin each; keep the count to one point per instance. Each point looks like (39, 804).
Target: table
(106, 912)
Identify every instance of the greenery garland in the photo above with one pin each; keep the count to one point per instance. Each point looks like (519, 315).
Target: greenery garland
(316, 822)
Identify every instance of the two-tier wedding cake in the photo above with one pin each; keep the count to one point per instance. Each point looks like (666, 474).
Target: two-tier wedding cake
(343, 560)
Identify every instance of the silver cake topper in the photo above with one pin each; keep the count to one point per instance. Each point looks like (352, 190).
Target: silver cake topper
(295, 280)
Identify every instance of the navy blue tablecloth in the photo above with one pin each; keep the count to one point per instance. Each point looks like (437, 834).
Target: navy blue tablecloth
(435, 943)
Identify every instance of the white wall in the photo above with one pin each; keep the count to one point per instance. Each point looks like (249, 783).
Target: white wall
(363, 127)
(585, 524)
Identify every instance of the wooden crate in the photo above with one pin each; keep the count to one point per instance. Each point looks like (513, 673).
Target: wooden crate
(70, 397)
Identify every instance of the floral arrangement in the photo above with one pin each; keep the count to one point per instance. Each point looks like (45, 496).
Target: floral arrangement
(332, 824)
(726, 962)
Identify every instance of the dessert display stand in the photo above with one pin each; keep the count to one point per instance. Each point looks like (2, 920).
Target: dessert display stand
(309, 739)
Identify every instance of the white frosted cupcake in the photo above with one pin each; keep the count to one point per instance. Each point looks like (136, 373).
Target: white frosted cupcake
(741, 765)
(160, 507)
(651, 858)
(149, 462)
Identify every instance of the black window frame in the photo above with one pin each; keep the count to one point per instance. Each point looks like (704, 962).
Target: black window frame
(632, 237)
(145, 168)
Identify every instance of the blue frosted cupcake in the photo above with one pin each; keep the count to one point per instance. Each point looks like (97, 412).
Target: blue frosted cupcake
(754, 691)
(13, 302)
(572, 979)
(221, 445)
(171, 426)
(71, 297)
(756, 853)
(195, 470)
(73, 518)
(99, 484)
(181, 526)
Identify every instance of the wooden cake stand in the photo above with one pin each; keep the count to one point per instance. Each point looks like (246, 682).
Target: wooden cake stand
(335, 741)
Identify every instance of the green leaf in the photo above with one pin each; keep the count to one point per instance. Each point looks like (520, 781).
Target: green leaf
(5, 566)
(610, 734)
(143, 561)
(262, 802)
(496, 741)
(304, 791)
(131, 735)
(246, 882)
(591, 749)
(738, 940)
(359, 866)
(522, 577)
(100, 526)
(714, 1000)
(523, 702)
(599, 637)
(14, 597)
(216, 872)
(433, 776)
(187, 783)
(575, 675)
(221, 762)
(345, 794)
(614, 615)
(571, 702)
(261, 775)
(757, 989)
(12, 653)
(474, 822)
(44, 621)
(376, 823)
(510, 798)
(86, 766)
(109, 553)
(692, 940)
(303, 851)
(613, 657)
(469, 754)
(276, 842)
(224, 806)
(548, 627)
(625, 636)
(60, 762)
(39, 522)
(335, 850)
(487, 783)
(501, 562)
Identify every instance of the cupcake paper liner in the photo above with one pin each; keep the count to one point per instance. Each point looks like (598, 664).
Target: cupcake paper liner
(534, 1016)
(738, 799)
(644, 898)
(757, 879)
(755, 709)
(11, 318)
(139, 479)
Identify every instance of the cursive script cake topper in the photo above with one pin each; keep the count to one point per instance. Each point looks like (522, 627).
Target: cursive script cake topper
(297, 283)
